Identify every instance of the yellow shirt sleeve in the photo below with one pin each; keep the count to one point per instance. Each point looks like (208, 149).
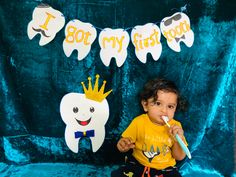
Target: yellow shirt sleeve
(130, 131)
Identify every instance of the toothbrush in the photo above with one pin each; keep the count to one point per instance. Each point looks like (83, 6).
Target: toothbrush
(180, 141)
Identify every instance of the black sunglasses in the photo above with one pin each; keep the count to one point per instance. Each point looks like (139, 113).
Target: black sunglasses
(169, 21)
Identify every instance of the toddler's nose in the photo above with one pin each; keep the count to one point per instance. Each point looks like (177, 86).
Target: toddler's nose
(164, 109)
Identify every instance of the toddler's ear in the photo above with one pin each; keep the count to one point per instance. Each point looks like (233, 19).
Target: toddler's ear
(144, 104)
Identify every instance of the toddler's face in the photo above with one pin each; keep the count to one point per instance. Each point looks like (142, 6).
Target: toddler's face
(165, 105)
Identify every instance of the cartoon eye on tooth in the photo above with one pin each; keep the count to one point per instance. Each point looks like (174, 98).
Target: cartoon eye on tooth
(85, 115)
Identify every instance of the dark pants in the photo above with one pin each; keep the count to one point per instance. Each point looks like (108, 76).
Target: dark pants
(133, 168)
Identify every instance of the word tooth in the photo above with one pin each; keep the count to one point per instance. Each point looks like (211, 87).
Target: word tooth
(47, 22)
(177, 29)
(97, 123)
(146, 39)
(79, 36)
(113, 43)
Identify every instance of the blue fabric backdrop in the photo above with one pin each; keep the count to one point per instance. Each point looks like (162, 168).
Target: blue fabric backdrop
(35, 78)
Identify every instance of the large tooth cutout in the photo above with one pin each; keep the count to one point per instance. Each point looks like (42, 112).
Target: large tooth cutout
(176, 29)
(113, 43)
(146, 39)
(47, 22)
(75, 108)
(79, 36)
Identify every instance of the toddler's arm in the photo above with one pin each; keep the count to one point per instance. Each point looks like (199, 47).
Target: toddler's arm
(177, 151)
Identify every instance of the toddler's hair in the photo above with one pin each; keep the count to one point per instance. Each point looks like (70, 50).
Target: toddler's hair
(151, 88)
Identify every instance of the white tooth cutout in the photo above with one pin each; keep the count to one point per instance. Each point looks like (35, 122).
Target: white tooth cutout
(76, 107)
(113, 43)
(47, 22)
(146, 39)
(79, 36)
(176, 29)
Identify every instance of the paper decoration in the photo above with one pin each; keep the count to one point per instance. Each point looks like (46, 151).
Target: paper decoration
(79, 36)
(47, 22)
(113, 43)
(176, 28)
(85, 115)
(146, 39)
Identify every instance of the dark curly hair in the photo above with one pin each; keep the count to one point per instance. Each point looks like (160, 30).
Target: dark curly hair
(151, 88)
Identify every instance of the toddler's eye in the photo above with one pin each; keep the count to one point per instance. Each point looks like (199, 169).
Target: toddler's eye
(158, 103)
(75, 109)
(92, 109)
(171, 107)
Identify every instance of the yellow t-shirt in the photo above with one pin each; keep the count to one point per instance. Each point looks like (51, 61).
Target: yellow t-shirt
(152, 142)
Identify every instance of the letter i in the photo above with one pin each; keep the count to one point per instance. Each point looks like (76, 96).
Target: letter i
(49, 16)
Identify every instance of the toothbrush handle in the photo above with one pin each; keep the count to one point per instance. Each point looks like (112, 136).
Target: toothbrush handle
(183, 146)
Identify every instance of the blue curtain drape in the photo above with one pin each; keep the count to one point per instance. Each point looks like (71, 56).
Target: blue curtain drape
(35, 78)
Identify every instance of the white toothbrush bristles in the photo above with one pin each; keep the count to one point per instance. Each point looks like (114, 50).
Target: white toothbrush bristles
(166, 119)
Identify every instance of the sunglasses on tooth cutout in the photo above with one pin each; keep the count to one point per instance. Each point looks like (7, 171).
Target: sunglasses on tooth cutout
(169, 21)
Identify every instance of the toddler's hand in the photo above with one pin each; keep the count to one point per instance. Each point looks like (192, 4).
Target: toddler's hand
(175, 129)
(125, 144)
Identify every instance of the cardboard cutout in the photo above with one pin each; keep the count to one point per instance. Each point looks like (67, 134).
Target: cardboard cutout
(79, 36)
(85, 115)
(146, 39)
(47, 22)
(177, 29)
(113, 43)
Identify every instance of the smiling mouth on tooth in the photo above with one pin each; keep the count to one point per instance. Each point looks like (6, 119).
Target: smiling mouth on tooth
(84, 123)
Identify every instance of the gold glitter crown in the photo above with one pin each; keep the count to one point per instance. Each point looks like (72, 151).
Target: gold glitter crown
(94, 94)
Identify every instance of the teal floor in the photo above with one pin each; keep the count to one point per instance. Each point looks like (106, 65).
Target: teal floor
(54, 170)
(78, 170)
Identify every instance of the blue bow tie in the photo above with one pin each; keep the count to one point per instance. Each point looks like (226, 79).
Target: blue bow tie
(89, 133)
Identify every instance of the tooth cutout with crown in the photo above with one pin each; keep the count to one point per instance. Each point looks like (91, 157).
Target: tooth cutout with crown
(79, 36)
(146, 39)
(113, 43)
(85, 115)
(47, 22)
(177, 29)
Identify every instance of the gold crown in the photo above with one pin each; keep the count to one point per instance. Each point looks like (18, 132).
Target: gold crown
(94, 94)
